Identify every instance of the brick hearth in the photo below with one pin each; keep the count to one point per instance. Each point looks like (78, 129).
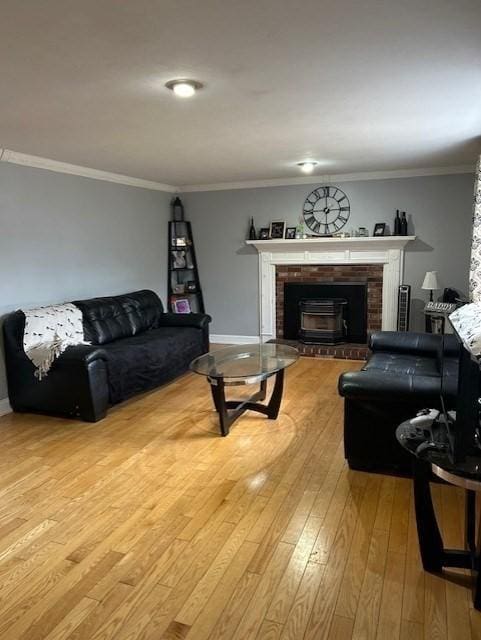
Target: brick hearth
(370, 273)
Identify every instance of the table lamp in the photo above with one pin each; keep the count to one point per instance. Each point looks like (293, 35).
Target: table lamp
(430, 283)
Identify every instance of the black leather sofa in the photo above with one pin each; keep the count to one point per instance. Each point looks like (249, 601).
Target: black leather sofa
(135, 347)
(404, 373)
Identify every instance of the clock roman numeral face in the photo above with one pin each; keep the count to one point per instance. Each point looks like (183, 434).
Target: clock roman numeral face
(326, 210)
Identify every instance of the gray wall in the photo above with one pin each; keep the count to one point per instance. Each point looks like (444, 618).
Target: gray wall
(64, 237)
(439, 209)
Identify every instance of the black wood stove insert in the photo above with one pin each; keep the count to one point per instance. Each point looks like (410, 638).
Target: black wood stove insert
(322, 320)
(325, 313)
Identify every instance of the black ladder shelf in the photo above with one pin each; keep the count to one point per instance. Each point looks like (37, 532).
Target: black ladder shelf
(184, 291)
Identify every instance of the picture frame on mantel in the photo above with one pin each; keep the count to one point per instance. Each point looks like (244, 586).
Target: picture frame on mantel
(379, 229)
(276, 230)
(291, 233)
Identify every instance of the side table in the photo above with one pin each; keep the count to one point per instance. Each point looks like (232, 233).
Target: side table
(466, 475)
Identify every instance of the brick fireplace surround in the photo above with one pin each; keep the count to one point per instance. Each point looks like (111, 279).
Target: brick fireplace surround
(370, 273)
(377, 260)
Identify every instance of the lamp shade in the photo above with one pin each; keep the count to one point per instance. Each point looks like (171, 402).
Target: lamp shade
(431, 281)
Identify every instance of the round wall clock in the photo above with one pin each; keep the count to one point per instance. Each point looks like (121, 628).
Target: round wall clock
(326, 210)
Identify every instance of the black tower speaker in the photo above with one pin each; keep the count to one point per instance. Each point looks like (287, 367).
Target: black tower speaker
(404, 306)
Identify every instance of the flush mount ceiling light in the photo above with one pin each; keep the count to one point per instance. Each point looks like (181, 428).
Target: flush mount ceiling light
(307, 166)
(184, 88)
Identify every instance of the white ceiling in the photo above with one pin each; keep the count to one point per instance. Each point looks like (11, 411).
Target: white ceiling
(358, 86)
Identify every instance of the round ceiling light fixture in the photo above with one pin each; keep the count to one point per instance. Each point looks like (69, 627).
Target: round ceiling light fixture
(308, 166)
(184, 88)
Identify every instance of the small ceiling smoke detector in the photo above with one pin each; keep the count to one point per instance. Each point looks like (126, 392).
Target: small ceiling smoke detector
(184, 88)
(307, 166)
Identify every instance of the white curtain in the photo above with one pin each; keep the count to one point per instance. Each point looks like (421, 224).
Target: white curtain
(475, 269)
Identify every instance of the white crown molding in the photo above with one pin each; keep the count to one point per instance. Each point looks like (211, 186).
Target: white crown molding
(7, 155)
(326, 178)
(227, 339)
(27, 160)
(5, 407)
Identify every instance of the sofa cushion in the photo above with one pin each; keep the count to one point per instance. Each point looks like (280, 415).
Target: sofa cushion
(149, 359)
(143, 308)
(410, 342)
(110, 318)
(379, 388)
(402, 364)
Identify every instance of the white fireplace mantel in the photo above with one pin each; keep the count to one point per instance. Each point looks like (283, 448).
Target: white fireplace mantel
(386, 250)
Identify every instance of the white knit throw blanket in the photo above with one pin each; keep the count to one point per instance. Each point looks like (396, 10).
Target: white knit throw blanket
(49, 331)
(467, 323)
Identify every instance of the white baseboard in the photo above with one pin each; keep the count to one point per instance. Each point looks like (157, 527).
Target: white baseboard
(225, 339)
(5, 407)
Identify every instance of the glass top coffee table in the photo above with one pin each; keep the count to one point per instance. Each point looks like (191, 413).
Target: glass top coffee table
(245, 364)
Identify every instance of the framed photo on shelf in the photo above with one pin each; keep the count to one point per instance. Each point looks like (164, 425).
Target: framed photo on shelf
(290, 233)
(178, 260)
(190, 286)
(182, 305)
(264, 233)
(178, 288)
(276, 230)
(379, 229)
(180, 241)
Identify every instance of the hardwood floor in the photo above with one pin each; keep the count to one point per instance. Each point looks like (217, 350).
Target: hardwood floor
(150, 526)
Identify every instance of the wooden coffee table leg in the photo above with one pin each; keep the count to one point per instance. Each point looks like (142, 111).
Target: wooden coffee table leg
(230, 410)
(217, 388)
(263, 390)
(276, 397)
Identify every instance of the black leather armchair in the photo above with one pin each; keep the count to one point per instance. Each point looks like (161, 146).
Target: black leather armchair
(404, 373)
(135, 347)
